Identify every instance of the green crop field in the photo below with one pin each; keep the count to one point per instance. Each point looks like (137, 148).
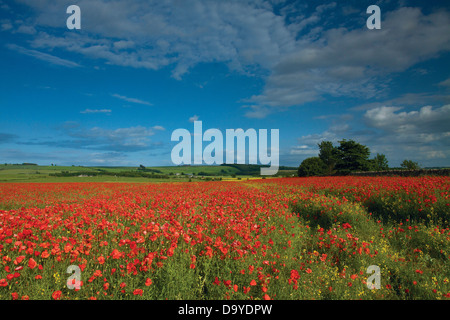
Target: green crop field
(39, 173)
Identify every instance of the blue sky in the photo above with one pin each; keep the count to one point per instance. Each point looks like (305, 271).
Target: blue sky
(113, 92)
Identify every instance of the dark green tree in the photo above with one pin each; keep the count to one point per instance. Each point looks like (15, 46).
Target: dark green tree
(352, 156)
(328, 154)
(410, 165)
(313, 166)
(379, 163)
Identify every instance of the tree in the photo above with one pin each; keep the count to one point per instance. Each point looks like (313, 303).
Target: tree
(352, 156)
(311, 167)
(379, 163)
(328, 154)
(410, 165)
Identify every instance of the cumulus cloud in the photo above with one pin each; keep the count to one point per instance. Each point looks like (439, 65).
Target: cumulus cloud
(421, 134)
(154, 34)
(345, 62)
(426, 120)
(300, 56)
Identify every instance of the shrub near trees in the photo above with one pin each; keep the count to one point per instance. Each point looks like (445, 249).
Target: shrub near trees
(349, 156)
(410, 165)
(313, 166)
(379, 163)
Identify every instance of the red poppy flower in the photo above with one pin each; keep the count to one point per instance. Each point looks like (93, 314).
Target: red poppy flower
(32, 263)
(97, 273)
(137, 292)
(56, 295)
(19, 259)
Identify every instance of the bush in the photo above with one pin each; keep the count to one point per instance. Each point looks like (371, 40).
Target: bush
(313, 166)
(410, 165)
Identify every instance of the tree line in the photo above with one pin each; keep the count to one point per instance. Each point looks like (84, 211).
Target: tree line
(349, 156)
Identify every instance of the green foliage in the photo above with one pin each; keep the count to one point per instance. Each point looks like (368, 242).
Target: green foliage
(328, 155)
(311, 167)
(352, 156)
(349, 156)
(410, 165)
(379, 163)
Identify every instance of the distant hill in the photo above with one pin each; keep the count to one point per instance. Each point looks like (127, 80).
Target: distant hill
(30, 172)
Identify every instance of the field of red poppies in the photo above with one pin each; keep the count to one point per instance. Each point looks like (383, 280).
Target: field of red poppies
(287, 238)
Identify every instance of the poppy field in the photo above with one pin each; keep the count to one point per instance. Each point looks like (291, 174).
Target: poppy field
(282, 239)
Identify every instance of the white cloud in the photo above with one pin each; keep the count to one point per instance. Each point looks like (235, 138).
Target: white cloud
(193, 118)
(26, 29)
(357, 62)
(445, 83)
(300, 59)
(257, 112)
(43, 56)
(300, 150)
(133, 100)
(425, 120)
(6, 26)
(123, 44)
(121, 139)
(244, 35)
(421, 134)
(74, 136)
(96, 111)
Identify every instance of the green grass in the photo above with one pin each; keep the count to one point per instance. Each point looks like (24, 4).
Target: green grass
(37, 173)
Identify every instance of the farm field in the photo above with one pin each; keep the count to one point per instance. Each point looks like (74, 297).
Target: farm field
(282, 239)
(63, 174)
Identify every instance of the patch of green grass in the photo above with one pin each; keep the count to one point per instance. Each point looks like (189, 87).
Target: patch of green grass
(35, 173)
